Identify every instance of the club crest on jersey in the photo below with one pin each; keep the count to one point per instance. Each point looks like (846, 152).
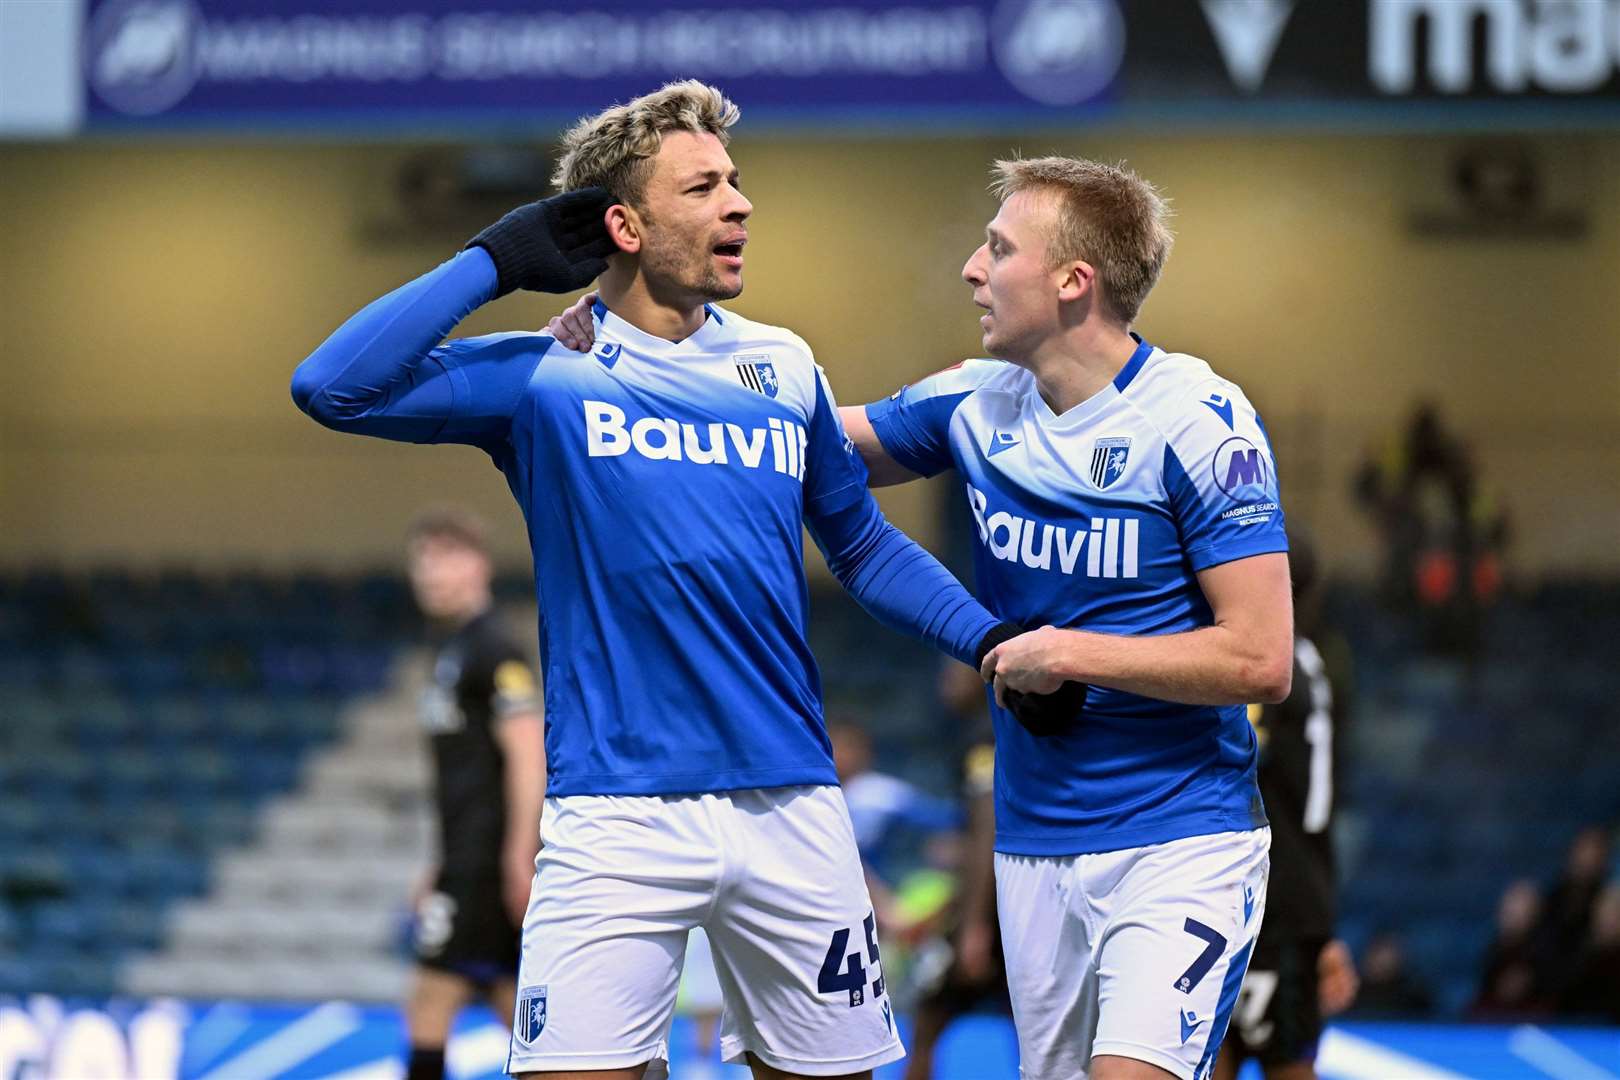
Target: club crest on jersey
(530, 1016)
(757, 373)
(1108, 458)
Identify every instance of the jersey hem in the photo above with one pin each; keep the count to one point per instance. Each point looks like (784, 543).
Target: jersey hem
(1086, 842)
(1232, 552)
(693, 783)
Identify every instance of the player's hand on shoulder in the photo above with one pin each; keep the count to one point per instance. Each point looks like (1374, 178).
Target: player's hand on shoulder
(574, 328)
(554, 245)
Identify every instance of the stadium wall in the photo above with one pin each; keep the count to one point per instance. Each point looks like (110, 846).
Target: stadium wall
(157, 296)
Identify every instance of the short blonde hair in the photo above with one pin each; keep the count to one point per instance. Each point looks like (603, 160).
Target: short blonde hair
(614, 149)
(1106, 216)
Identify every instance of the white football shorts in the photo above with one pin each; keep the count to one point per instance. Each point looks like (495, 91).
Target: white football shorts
(1137, 953)
(774, 878)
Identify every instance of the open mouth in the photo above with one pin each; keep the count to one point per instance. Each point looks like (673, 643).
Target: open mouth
(732, 249)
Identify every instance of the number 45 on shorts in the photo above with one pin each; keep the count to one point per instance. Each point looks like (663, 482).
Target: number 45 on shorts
(846, 972)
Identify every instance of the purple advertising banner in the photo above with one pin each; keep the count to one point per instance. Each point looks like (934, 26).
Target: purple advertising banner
(261, 63)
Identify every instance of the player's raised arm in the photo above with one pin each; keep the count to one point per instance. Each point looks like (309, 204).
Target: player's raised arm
(383, 373)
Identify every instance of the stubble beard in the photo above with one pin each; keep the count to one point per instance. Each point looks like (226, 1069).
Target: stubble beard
(681, 271)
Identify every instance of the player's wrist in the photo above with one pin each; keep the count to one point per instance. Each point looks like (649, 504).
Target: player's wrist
(999, 634)
(1073, 656)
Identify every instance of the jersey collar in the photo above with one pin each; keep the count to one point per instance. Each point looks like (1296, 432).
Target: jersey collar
(1094, 404)
(1134, 364)
(703, 339)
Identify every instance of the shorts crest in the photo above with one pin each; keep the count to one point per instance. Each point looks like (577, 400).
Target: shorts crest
(530, 1016)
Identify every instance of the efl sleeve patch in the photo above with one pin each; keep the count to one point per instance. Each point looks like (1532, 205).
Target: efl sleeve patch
(516, 689)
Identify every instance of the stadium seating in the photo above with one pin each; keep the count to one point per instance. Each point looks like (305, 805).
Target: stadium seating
(190, 774)
(1462, 776)
(148, 720)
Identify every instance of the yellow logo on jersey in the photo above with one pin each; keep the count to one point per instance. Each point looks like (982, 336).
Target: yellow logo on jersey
(1257, 720)
(514, 679)
(981, 767)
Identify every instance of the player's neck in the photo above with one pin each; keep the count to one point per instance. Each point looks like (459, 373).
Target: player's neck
(1073, 366)
(627, 293)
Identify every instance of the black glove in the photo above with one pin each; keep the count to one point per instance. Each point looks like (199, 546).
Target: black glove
(554, 245)
(1048, 714)
(1039, 714)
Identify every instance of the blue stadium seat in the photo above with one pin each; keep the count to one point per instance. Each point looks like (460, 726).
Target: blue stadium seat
(19, 975)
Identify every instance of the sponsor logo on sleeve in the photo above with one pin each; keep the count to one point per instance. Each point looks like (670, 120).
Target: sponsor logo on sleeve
(1221, 406)
(1241, 471)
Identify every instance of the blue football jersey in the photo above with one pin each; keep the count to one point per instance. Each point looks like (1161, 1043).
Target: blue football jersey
(1099, 519)
(666, 487)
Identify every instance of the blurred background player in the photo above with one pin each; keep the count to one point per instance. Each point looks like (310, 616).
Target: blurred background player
(702, 1001)
(482, 714)
(966, 973)
(888, 813)
(1299, 973)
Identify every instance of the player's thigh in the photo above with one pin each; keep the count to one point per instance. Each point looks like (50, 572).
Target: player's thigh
(1278, 1019)
(1047, 940)
(1227, 1062)
(431, 1005)
(636, 1073)
(618, 884)
(501, 996)
(1179, 921)
(795, 940)
(1114, 1067)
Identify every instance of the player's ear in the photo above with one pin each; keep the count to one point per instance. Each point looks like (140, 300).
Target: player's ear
(625, 226)
(1075, 279)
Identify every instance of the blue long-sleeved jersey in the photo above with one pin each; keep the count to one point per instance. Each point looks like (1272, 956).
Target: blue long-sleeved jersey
(665, 487)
